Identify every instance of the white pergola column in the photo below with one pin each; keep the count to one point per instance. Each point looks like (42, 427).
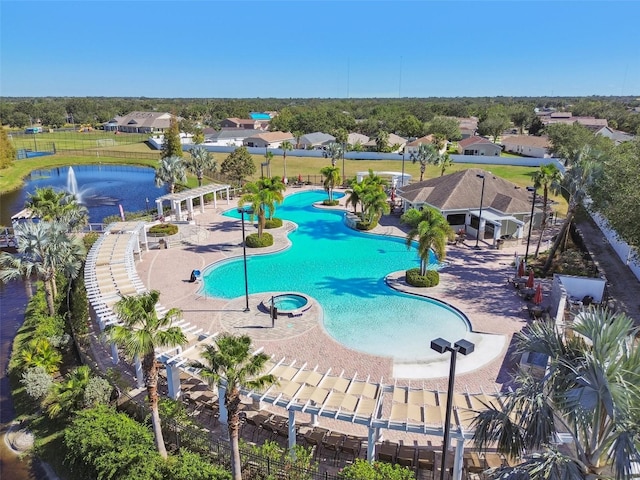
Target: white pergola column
(457, 459)
(482, 223)
(178, 209)
(138, 367)
(228, 198)
(520, 231)
(190, 208)
(114, 354)
(292, 432)
(497, 232)
(202, 202)
(159, 207)
(215, 199)
(173, 382)
(146, 240)
(371, 444)
(223, 413)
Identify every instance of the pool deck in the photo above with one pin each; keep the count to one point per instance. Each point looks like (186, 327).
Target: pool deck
(474, 282)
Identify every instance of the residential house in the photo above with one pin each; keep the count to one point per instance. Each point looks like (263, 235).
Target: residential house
(468, 126)
(412, 147)
(140, 122)
(616, 135)
(527, 145)
(228, 137)
(591, 123)
(506, 207)
(477, 145)
(268, 139)
(357, 138)
(395, 142)
(316, 140)
(244, 123)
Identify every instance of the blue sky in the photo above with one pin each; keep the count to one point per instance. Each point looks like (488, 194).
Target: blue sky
(318, 48)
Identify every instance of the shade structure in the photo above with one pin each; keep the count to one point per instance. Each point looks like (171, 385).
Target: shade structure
(530, 280)
(537, 297)
(521, 269)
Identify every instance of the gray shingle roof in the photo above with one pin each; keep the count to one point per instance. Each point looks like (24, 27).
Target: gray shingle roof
(461, 191)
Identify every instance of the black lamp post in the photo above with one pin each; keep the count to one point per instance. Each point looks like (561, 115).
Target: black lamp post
(464, 347)
(480, 216)
(344, 176)
(533, 204)
(403, 151)
(242, 211)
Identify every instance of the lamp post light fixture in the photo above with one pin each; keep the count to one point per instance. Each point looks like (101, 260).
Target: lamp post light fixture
(344, 176)
(242, 211)
(480, 216)
(402, 178)
(441, 346)
(533, 204)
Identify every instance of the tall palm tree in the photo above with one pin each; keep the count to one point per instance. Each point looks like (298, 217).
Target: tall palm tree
(576, 182)
(63, 207)
(355, 194)
(331, 179)
(442, 161)
(432, 231)
(268, 156)
(286, 147)
(374, 204)
(549, 178)
(231, 363)
(171, 171)
(425, 155)
(140, 333)
(200, 161)
(590, 391)
(17, 267)
(334, 151)
(50, 249)
(263, 195)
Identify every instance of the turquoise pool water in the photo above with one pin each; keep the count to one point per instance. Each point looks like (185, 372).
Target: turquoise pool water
(344, 271)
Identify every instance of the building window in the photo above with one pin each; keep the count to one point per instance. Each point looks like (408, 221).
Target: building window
(456, 218)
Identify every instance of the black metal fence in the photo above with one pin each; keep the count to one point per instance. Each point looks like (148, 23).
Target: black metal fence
(110, 153)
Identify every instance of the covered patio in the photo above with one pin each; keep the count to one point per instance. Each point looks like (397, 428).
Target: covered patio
(502, 224)
(175, 200)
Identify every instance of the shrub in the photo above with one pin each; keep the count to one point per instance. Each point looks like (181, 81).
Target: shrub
(330, 203)
(253, 241)
(363, 470)
(37, 382)
(97, 391)
(273, 223)
(430, 279)
(163, 229)
(360, 225)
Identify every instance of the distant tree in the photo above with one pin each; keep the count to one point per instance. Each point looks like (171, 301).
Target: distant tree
(425, 155)
(382, 141)
(200, 161)
(549, 178)
(447, 127)
(334, 151)
(198, 136)
(536, 127)
(238, 165)
(568, 141)
(286, 147)
(521, 117)
(342, 136)
(411, 126)
(172, 146)
(331, 179)
(493, 125)
(268, 156)
(171, 171)
(442, 161)
(7, 150)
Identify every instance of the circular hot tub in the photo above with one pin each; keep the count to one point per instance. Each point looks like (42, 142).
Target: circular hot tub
(289, 304)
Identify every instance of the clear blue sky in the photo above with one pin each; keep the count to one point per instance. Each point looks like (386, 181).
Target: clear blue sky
(319, 48)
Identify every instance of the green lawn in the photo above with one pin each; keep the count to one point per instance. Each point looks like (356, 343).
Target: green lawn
(75, 141)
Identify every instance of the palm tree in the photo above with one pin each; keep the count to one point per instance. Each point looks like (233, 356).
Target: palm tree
(374, 204)
(200, 161)
(231, 363)
(432, 231)
(50, 249)
(17, 267)
(549, 178)
(52, 206)
(263, 195)
(590, 391)
(286, 147)
(171, 171)
(355, 194)
(68, 396)
(425, 155)
(442, 161)
(382, 141)
(140, 333)
(576, 181)
(268, 156)
(331, 179)
(334, 151)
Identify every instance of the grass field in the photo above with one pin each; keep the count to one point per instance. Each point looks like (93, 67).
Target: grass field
(76, 141)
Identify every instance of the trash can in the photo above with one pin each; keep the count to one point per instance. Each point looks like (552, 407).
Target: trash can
(499, 244)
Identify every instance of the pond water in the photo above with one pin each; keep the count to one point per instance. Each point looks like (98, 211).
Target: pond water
(103, 188)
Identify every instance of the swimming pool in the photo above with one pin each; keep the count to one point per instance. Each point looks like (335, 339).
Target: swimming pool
(344, 271)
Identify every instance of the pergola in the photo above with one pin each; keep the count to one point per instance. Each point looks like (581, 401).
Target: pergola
(495, 218)
(396, 177)
(356, 400)
(176, 199)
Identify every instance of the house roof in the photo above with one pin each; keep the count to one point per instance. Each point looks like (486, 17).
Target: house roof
(317, 138)
(475, 140)
(615, 135)
(144, 119)
(354, 138)
(527, 141)
(426, 140)
(462, 190)
(228, 133)
(274, 136)
(392, 140)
